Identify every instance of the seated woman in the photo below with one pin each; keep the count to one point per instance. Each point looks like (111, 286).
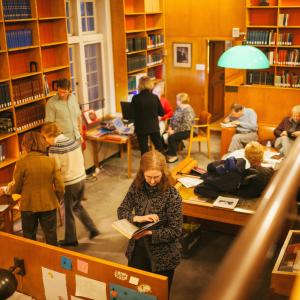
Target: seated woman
(257, 177)
(180, 125)
(40, 183)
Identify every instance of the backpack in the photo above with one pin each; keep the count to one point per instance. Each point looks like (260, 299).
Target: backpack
(223, 176)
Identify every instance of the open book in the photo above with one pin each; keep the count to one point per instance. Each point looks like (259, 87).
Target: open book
(128, 229)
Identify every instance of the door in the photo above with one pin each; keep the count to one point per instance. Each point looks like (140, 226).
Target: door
(216, 80)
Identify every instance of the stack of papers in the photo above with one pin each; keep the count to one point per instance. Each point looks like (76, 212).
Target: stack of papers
(189, 182)
(226, 202)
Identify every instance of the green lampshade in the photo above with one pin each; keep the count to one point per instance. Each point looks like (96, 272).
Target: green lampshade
(243, 57)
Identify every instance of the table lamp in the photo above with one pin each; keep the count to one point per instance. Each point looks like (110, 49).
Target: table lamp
(243, 57)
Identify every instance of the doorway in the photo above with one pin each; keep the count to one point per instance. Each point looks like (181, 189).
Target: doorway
(216, 79)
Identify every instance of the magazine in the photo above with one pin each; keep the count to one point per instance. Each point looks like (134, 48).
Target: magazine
(128, 229)
(226, 202)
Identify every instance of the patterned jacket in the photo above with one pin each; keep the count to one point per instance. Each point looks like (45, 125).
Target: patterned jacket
(163, 245)
(183, 119)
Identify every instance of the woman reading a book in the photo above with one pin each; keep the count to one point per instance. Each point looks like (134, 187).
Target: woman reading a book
(152, 198)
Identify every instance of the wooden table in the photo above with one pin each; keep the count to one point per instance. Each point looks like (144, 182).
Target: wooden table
(113, 139)
(202, 208)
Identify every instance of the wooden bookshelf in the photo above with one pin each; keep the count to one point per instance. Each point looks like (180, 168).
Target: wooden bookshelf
(138, 32)
(275, 29)
(31, 47)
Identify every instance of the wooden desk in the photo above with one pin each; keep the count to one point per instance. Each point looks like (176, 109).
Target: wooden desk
(113, 139)
(202, 208)
(7, 216)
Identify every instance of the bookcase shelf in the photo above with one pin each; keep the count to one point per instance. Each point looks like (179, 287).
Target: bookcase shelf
(138, 43)
(275, 29)
(32, 50)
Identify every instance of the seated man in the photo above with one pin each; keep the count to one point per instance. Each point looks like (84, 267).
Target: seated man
(287, 131)
(245, 121)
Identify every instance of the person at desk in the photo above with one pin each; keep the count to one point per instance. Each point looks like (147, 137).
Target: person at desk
(180, 125)
(146, 109)
(287, 131)
(69, 159)
(63, 109)
(257, 177)
(153, 198)
(38, 180)
(245, 121)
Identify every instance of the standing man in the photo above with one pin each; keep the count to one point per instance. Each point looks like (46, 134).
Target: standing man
(245, 121)
(63, 109)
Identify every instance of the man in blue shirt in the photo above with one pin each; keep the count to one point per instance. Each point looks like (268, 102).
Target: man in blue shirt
(245, 121)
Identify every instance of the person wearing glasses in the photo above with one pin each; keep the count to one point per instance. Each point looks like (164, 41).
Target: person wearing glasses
(63, 109)
(152, 198)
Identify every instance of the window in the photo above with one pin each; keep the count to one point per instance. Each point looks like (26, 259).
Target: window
(94, 76)
(69, 17)
(72, 71)
(87, 12)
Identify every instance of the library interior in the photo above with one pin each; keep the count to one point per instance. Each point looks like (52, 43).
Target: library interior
(149, 149)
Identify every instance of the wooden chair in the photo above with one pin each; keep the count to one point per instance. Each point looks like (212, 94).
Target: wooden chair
(200, 132)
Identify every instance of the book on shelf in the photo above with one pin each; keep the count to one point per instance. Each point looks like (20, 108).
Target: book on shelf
(13, 10)
(129, 230)
(18, 38)
(2, 152)
(226, 202)
(5, 100)
(6, 122)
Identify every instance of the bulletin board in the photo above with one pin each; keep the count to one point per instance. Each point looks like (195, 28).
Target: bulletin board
(80, 275)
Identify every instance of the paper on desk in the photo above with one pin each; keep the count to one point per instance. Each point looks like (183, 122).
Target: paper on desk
(54, 285)
(189, 182)
(227, 125)
(90, 288)
(3, 207)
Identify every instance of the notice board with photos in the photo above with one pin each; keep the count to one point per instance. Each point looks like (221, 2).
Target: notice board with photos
(56, 273)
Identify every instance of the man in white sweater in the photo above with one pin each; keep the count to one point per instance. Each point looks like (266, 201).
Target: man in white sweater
(69, 159)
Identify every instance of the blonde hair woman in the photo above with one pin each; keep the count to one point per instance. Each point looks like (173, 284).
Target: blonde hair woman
(151, 197)
(146, 109)
(180, 125)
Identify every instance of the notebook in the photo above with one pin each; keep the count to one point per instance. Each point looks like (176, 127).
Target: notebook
(121, 128)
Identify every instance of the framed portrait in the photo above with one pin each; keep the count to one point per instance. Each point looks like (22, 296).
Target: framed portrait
(91, 116)
(182, 55)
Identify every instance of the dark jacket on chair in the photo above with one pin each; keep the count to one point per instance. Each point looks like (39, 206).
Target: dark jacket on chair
(146, 110)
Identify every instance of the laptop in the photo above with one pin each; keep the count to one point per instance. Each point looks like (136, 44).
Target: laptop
(121, 128)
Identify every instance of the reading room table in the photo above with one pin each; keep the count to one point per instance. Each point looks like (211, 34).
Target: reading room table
(95, 138)
(202, 208)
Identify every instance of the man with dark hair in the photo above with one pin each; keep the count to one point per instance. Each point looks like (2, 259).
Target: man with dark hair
(63, 108)
(245, 121)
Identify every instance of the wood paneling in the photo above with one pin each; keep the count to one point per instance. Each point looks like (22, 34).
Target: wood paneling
(196, 21)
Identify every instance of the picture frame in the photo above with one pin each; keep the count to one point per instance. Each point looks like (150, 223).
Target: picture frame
(91, 116)
(182, 55)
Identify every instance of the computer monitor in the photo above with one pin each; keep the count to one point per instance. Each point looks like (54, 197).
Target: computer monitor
(127, 111)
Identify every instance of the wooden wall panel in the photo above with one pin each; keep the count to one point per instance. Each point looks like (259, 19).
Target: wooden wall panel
(196, 21)
(270, 103)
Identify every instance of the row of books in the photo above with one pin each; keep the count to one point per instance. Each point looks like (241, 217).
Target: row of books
(156, 72)
(136, 44)
(154, 58)
(6, 122)
(155, 40)
(260, 37)
(283, 19)
(16, 9)
(285, 39)
(289, 57)
(2, 152)
(136, 62)
(260, 77)
(27, 89)
(133, 80)
(287, 79)
(29, 116)
(5, 100)
(19, 38)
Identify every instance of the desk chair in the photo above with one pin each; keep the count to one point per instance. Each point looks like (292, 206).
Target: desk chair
(200, 132)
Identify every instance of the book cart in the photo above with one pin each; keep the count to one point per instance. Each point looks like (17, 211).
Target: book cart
(138, 43)
(33, 55)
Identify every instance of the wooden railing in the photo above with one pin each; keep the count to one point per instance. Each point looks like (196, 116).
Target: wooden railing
(245, 260)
